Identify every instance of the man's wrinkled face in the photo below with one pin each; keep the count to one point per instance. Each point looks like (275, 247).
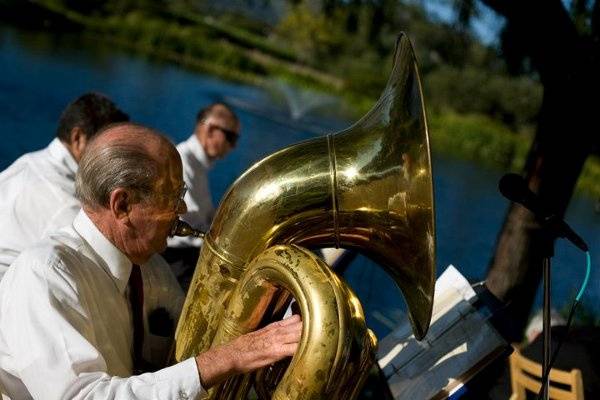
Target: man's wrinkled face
(153, 218)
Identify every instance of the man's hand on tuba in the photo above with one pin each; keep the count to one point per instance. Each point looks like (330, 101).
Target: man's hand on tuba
(251, 351)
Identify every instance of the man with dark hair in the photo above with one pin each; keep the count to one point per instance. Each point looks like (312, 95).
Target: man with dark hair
(215, 134)
(37, 193)
(84, 117)
(75, 308)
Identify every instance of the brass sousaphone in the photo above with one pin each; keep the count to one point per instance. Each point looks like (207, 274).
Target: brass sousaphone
(368, 188)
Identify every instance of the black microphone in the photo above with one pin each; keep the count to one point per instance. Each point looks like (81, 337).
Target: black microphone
(514, 188)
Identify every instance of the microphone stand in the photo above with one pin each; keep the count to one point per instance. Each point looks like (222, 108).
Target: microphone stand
(514, 188)
(549, 234)
(547, 332)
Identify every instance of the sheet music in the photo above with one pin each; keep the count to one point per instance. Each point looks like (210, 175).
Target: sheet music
(458, 339)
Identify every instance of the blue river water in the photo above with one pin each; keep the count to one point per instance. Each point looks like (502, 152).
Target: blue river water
(40, 73)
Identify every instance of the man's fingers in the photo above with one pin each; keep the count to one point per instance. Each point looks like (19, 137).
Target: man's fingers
(290, 333)
(295, 331)
(287, 350)
(288, 321)
(270, 344)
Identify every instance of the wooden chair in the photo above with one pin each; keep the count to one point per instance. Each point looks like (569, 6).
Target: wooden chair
(526, 374)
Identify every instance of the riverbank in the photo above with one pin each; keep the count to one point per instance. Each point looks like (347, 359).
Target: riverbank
(205, 45)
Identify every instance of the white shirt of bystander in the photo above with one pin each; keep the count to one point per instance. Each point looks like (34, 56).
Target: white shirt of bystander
(200, 208)
(37, 196)
(66, 328)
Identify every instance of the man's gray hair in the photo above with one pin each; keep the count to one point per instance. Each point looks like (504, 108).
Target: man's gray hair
(103, 169)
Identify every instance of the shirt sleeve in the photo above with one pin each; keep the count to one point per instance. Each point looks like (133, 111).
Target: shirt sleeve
(52, 339)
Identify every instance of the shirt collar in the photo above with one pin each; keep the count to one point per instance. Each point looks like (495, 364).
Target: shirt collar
(115, 262)
(198, 151)
(58, 150)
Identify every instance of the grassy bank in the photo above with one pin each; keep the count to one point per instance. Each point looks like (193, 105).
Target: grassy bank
(204, 44)
(483, 140)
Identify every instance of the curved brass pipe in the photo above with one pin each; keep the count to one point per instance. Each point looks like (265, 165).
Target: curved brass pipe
(336, 348)
(368, 187)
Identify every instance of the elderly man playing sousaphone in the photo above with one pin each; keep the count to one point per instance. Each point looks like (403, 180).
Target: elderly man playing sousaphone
(86, 312)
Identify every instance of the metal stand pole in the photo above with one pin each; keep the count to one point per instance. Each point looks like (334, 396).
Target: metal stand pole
(547, 334)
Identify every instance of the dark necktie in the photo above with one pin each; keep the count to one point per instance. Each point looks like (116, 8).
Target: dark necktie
(136, 298)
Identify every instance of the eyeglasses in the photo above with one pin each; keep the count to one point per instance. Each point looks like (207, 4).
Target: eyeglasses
(230, 135)
(177, 200)
(180, 201)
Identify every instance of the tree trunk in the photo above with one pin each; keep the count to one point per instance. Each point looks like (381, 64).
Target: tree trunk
(515, 271)
(566, 63)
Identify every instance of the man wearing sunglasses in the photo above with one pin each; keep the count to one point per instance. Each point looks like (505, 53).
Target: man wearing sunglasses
(215, 134)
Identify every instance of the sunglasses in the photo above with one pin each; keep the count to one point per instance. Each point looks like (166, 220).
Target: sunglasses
(230, 135)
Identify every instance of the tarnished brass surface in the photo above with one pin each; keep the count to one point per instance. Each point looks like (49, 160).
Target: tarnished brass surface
(368, 187)
(336, 350)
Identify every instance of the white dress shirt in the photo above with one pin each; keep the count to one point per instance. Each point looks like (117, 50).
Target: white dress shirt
(66, 329)
(198, 198)
(37, 196)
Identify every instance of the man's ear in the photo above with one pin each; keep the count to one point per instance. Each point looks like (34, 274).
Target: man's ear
(120, 203)
(77, 143)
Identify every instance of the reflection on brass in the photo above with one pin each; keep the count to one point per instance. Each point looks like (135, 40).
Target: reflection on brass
(182, 228)
(336, 350)
(368, 187)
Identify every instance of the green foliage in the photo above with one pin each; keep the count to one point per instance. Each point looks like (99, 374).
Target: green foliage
(158, 35)
(312, 36)
(367, 75)
(515, 102)
(225, 30)
(477, 137)
(589, 180)
(439, 45)
(482, 139)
